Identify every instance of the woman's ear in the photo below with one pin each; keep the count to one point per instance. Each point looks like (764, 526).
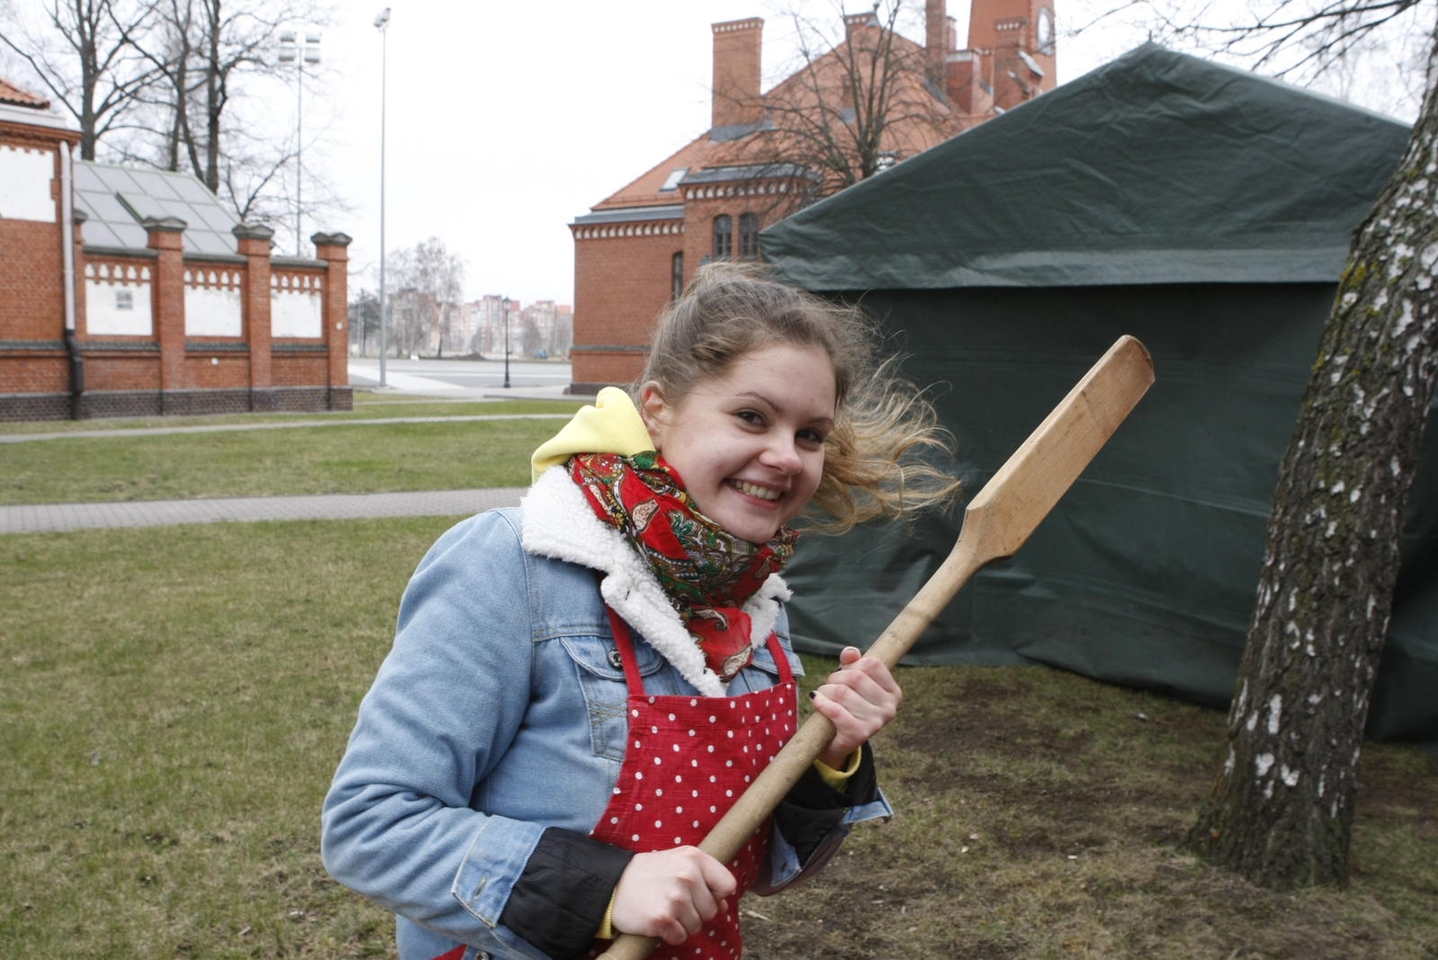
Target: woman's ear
(653, 410)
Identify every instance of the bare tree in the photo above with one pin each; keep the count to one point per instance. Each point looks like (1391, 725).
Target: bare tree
(1281, 810)
(205, 50)
(1335, 45)
(856, 104)
(429, 281)
(165, 82)
(86, 56)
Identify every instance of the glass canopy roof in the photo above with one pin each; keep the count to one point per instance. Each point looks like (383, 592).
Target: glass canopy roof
(115, 199)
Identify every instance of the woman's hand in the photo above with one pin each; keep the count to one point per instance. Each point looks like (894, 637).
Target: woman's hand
(859, 698)
(671, 893)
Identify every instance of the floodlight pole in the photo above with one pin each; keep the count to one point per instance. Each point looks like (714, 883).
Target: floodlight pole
(382, 22)
(301, 51)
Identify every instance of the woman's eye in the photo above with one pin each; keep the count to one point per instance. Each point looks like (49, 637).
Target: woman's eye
(750, 416)
(811, 436)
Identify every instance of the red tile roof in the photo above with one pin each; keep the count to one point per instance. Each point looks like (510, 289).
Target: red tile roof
(9, 93)
(645, 191)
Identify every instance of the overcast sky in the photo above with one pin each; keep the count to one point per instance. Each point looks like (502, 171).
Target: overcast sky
(505, 121)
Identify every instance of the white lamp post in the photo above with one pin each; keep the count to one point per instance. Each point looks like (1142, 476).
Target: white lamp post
(381, 22)
(299, 52)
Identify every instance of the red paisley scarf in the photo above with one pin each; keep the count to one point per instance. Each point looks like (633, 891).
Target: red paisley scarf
(705, 571)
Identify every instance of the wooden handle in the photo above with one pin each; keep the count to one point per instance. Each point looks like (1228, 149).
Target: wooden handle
(997, 522)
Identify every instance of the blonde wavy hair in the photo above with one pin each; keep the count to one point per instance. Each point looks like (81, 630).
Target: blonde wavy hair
(880, 458)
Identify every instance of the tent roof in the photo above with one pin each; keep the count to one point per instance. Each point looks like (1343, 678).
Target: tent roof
(1156, 168)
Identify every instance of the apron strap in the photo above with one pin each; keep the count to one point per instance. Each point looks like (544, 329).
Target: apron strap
(625, 644)
(781, 659)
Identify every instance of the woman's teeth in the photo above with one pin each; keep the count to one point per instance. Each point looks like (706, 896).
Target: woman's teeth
(763, 493)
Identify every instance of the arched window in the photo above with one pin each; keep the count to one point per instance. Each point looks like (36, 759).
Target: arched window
(723, 237)
(676, 275)
(748, 236)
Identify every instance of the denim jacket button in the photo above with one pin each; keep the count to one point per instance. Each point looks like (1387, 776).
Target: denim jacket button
(615, 659)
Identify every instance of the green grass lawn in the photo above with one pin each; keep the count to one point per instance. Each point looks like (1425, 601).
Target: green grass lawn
(341, 458)
(175, 700)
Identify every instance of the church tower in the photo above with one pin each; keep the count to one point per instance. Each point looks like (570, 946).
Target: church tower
(1010, 55)
(1015, 42)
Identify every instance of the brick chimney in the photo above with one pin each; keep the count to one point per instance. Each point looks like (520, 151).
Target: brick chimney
(737, 46)
(858, 21)
(939, 40)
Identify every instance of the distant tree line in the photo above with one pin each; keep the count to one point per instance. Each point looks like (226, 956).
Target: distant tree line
(429, 318)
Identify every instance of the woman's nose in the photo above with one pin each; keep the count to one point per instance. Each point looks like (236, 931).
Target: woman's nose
(783, 455)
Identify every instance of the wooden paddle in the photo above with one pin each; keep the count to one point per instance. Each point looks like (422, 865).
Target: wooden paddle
(996, 523)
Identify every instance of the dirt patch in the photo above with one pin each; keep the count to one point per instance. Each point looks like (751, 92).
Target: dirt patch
(1050, 832)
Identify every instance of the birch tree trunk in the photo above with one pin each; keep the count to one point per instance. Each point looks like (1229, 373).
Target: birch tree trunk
(1281, 810)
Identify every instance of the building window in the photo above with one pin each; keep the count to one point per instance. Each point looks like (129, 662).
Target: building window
(748, 236)
(723, 237)
(676, 275)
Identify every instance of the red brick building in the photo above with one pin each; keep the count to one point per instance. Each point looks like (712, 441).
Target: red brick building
(635, 249)
(133, 292)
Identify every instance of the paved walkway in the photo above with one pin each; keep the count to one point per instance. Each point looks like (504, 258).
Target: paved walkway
(121, 433)
(43, 518)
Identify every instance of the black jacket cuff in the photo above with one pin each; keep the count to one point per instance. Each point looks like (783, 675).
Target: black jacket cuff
(812, 809)
(560, 898)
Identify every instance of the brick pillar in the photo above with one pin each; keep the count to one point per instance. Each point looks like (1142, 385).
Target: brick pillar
(254, 243)
(168, 297)
(333, 248)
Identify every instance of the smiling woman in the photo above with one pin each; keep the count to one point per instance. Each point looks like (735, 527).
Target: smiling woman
(626, 626)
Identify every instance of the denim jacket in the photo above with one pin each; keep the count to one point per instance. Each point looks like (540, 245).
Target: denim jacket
(499, 712)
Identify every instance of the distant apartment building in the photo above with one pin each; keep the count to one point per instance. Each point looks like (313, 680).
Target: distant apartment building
(636, 249)
(549, 329)
(493, 318)
(544, 329)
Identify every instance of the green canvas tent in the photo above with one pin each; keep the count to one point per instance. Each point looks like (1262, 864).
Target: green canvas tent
(1206, 211)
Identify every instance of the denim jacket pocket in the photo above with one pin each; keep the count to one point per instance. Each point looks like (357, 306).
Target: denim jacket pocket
(606, 695)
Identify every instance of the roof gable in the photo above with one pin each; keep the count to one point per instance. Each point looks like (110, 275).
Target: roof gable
(11, 94)
(1156, 168)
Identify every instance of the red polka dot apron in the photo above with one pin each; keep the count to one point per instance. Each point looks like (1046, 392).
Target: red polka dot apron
(686, 762)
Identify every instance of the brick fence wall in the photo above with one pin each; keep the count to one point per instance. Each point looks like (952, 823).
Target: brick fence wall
(147, 357)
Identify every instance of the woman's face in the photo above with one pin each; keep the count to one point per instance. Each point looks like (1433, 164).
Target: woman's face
(749, 443)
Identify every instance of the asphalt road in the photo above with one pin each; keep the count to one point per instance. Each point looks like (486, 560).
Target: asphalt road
(460, 377)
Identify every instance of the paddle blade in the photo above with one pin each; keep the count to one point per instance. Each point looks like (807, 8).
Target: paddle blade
(1004, 513)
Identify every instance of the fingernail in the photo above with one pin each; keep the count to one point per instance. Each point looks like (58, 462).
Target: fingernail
(811, 694)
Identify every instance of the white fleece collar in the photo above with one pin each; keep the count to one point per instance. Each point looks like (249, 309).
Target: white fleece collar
(558, 523)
